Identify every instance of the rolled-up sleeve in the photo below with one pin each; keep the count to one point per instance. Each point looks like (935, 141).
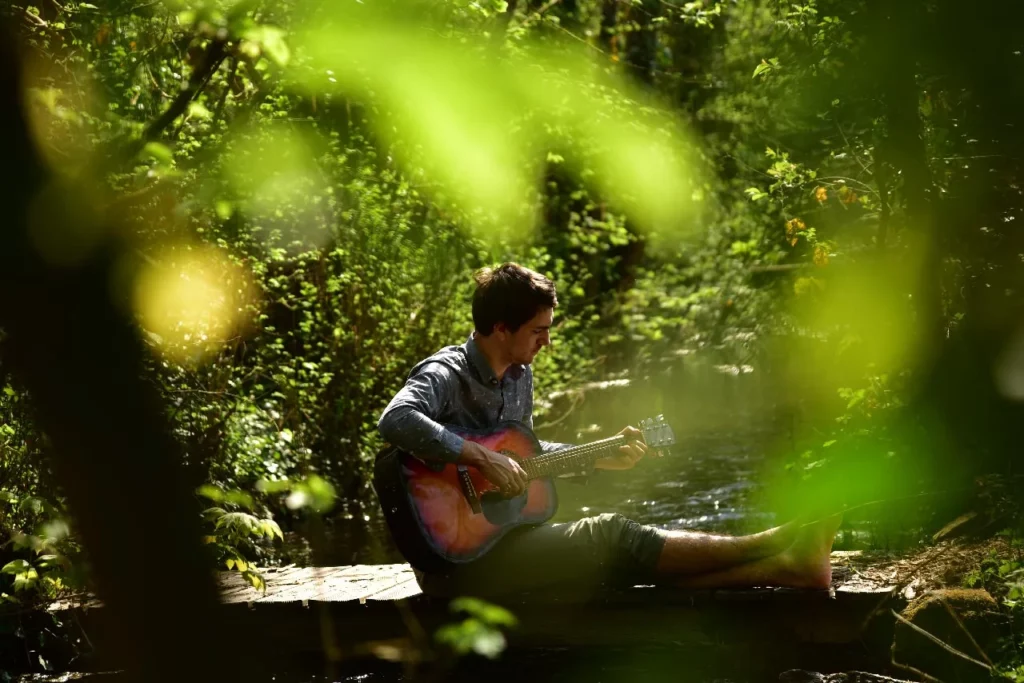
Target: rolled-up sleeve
(410, 420)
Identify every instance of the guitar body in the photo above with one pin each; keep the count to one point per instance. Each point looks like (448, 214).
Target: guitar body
(430, 509)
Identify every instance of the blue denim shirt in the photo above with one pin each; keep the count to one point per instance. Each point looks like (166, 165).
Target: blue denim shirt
(456, 386)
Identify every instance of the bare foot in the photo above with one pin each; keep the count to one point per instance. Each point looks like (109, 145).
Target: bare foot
(780, 538)
(804, 564)
(807, 559)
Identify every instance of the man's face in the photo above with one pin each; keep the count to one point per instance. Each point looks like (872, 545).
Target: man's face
(523, 344)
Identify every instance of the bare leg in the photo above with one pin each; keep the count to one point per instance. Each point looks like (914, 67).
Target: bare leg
(686, 552)
(805, 564)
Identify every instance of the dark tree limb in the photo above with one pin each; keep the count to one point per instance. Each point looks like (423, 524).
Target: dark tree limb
(214, 56)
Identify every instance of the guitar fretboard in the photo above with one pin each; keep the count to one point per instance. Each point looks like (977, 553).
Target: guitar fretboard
(575, 459)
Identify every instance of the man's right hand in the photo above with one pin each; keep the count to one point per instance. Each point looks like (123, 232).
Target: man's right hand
(499, 469)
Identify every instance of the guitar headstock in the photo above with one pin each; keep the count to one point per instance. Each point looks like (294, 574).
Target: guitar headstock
(658, 434)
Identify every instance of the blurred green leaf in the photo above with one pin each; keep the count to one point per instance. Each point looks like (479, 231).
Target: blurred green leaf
(159, 152)
(484, 611)
(212, 492)
(16, 567)
(197, 109)
(271, 41)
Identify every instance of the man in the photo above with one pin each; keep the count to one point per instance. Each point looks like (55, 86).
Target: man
(488, 379)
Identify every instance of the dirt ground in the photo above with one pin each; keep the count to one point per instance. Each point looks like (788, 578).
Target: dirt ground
(942, 565)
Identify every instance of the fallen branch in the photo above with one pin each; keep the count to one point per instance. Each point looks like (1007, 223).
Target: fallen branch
(915, 671)
(960, 623)
(945, 646)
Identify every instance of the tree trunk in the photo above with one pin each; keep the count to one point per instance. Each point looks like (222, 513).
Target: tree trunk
(80, 357)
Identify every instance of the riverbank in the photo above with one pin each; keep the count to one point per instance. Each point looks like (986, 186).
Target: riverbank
(775, 631)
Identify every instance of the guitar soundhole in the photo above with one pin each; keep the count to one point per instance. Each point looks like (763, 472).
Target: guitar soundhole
(499, 510)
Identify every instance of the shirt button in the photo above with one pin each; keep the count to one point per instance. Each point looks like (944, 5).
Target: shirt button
(494, 381)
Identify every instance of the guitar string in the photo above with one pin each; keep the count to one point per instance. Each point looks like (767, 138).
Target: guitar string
(535, 467)
(574, 452)
(554, 461)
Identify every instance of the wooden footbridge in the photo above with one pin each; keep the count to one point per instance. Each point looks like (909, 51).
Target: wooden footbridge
(310, 611)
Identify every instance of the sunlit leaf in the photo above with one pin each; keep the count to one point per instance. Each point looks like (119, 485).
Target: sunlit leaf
(271, 41)
(198, 110)
(271, 529)
(239, 498)
(273, 486)
(321, 493)
(485, 611)
(16, 566)
(54, 531)
(160, 152)
(210, 491)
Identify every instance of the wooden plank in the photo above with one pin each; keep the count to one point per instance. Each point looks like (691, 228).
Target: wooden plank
(397, 581)
(359, 602)
(641, 617)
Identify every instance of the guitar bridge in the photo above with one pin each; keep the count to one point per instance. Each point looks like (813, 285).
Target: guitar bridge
(468, 490)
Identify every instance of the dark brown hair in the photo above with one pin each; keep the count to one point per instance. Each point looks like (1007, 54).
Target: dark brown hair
(510, 294)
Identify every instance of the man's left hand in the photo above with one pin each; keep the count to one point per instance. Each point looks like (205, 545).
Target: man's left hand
(628, 455)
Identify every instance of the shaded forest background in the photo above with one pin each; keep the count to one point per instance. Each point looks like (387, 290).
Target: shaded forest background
(289, 199)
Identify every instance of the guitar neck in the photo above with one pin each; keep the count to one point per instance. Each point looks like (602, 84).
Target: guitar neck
(575, 459)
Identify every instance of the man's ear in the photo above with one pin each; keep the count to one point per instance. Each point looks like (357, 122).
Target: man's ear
(501, 329)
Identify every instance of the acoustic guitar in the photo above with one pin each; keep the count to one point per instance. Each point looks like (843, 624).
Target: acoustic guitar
(441, 515)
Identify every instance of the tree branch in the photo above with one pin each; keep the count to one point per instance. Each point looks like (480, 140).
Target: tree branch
(212, 59)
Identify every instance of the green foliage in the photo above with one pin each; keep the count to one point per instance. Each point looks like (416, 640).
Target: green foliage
(480, 632)
(41, 560)
(1002, 575)
(236, 534)
(302, 230)
(313, 492)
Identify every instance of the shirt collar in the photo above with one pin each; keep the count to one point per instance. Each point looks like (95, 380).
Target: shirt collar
(483, 368)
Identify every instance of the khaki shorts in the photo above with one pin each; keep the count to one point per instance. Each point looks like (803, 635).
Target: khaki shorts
(606, 550)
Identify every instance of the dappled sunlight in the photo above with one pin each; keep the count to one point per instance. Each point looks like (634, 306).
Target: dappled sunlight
(191, 299)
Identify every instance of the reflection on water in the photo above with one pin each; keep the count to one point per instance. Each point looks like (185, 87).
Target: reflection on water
(708, 483)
